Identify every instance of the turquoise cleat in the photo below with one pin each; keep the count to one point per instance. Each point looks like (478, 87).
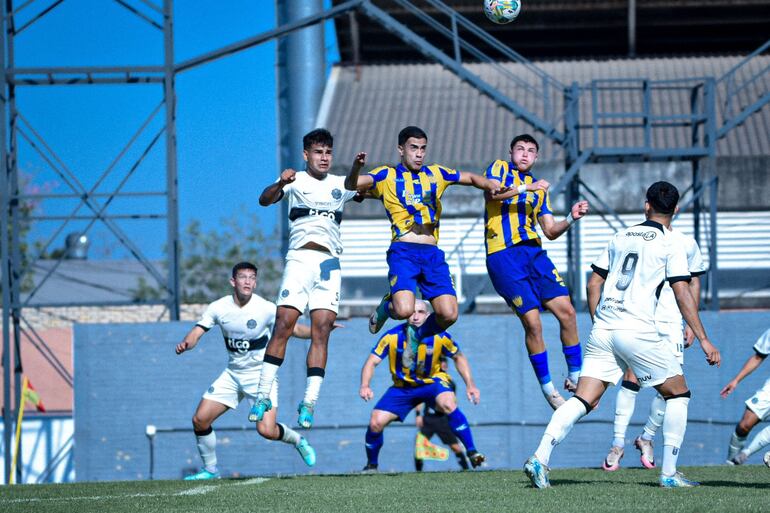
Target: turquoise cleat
(379, 316)
(202, 475)
(676, 481)
(537, 472)
(261, 405)
(305, 411)
(306, 451)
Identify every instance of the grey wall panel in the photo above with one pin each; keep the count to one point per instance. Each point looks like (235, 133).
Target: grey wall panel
(127, 376)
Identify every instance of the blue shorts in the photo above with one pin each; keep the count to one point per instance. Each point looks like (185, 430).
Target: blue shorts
(401, 400)
(411, 265)
(525, 277)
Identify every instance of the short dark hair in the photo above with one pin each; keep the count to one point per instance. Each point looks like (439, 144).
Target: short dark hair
(525, 138)
(411, 131)
(319, 136)
(243, 265)
(663, 197)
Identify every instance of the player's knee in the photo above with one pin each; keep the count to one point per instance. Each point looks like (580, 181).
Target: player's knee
(448, 317)
(266, 431)
(200, 424)
(446, 406)
(402, 310)
(376, 425)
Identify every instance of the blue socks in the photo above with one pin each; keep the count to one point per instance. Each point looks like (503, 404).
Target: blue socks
(574, 358)
(429, 328)
(374, 443)
(459, 425)
(539, 363)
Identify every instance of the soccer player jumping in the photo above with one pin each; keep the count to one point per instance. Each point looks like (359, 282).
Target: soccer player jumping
(411, 193)
(622, 297)
(519, 267)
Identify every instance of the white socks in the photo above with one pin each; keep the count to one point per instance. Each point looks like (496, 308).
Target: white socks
(655, 420)
(313, 389)
(761, 440)
(269, 370)
(736, 444)
(288, 435)
(674, 426)
(624, 408)
(207, 445)
(561, 424)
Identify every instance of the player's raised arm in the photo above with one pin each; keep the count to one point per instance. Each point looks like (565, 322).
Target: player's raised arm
(481, 182)
(464, 369)
(540, 185)
(689, 311)
(354, 181)
(190, 340)
(274, 192)
(365, 391)
(553, 229)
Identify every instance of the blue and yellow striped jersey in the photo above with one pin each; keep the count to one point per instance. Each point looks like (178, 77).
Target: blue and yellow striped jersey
(514, 220)
(426, 368)
(412, 198)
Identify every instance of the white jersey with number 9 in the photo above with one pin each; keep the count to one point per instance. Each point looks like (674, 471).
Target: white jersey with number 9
(636, 264)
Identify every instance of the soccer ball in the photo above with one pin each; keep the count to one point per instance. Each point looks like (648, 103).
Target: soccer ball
(502, 11)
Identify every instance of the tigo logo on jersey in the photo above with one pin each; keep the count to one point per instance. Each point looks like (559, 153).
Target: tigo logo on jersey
(285, 293)
(336, 194)
(251, 324)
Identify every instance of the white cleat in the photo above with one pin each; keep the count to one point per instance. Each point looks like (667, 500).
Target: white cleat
(647, 455)
(766, 459)
(612, 461)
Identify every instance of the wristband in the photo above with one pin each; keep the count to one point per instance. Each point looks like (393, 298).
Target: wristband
(570, 220)
(522, 188)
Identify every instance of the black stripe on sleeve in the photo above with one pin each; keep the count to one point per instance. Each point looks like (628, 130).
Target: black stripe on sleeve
(760, 354)
(204, 328)
(698, 273)
(675, 279)
(598, 270)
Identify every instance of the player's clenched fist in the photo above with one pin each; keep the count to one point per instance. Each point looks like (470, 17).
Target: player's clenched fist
(366, 393)
(288, 176)
(181, 347)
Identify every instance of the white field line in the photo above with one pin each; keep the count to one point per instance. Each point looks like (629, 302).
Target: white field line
(198, 490)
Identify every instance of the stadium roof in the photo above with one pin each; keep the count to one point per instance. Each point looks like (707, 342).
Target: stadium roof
(575, 28)
(366, 106)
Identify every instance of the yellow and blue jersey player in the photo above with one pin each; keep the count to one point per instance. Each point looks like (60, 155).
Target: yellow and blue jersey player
(417, 378)
(411, 193)
(519, 267)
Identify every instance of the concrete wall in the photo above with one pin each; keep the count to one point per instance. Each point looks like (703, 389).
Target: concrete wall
(127, 376)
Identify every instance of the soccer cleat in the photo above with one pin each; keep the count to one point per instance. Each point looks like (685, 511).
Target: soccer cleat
(203, 474)
(647, 455)
(258, 409)
(379, 315)
(369, 468)
(537, 472)
(612, 461)
(555, 399)
(739, 458)
(766, 458)
(306, 451)
(676, 481)
(476, 458)
(305, 411)
(570, 386)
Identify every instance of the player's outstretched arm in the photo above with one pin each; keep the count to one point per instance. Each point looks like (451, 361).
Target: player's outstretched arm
(689, 311)
(464, 369)
(540, 185)
(354, 181)
(274, 192)
(750, 366)
(365, 391)
(481, 182)
(553, 229)
(594, 292)
(190, 340)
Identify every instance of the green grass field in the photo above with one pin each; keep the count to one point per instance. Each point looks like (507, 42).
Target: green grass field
(741, 489)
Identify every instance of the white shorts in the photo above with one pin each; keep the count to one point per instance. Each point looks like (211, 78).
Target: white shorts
(232, 387)
(759, 403)
(609, 353)
(672, 333)
(311, 279)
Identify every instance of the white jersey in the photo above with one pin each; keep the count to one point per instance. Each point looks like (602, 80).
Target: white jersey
(315, 210)
(246, 329)
(762, 346)
(668, 310)
(635, 265)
